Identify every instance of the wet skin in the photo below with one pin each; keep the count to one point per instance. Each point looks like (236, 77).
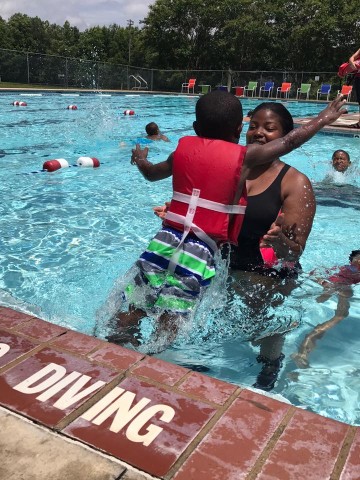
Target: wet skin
(340, 162)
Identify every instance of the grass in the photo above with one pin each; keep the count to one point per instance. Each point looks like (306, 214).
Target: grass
(23, 86)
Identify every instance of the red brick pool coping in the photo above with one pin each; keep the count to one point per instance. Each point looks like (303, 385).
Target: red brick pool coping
(163, 419)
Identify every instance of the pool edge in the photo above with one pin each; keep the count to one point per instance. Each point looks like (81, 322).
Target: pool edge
(206, 428)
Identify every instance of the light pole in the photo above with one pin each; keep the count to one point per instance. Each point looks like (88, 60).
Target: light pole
(130, 24)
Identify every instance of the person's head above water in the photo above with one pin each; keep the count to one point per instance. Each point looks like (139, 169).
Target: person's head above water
(152, 129)
(219, 116)
(354, 257)
(340, 161)
(269, 121)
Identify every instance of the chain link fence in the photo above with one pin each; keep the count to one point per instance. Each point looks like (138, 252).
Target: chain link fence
(65, 72)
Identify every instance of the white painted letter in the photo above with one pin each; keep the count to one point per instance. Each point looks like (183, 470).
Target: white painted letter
(4, 348)
(102, 403)
(58, 372)
(135, 426)
(72, 396)
(124, 414)
(58, 386)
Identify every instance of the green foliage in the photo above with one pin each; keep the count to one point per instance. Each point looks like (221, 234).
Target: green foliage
(303, 35)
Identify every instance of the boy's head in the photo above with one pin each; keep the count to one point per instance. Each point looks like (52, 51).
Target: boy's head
(354, 257)
(219, 115)
(341, 160)
(152, 129)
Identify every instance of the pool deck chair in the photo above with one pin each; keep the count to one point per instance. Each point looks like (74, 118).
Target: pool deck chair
(252, 86)
(187, 86)
(283, 90)
(205, 88)
(267, 88)
(324, 90)
(304, 89)
(346, 90)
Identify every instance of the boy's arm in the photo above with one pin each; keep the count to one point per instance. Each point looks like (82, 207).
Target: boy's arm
(150, 171)
(260, 154)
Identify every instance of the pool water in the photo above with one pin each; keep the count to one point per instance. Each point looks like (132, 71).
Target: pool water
(68, 237)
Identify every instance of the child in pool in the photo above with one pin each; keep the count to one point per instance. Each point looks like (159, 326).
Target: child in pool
(340, 284)
(179, 262)
(153, 132)
(340, 160)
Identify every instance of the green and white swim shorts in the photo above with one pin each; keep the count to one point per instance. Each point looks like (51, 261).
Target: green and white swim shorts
(161, 284)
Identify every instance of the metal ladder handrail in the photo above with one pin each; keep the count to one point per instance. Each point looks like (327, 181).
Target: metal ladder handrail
(135, 87)
(138, 78)
(145, 87)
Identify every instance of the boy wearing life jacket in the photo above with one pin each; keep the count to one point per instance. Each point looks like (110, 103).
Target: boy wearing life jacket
(207, 208)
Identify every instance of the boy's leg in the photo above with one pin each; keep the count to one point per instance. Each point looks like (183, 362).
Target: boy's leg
(128, 327)
(130, 318)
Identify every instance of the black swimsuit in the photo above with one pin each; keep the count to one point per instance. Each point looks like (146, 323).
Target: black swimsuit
(261, 212)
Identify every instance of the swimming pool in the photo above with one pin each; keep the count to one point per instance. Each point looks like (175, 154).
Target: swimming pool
(68, 236)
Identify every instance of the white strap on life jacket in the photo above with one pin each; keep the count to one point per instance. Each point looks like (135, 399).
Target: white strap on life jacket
(195, 201)
(187, 221)
(210, 205)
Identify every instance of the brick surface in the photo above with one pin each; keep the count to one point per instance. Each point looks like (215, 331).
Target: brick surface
(308, 448)
(10, 318)
(160, 371)
(116, 356)
(236, 441)
(351, 469)
(51, 396)
(13, 346)
(164, 424)
(40, 330)
(77, 342)
(207, 388)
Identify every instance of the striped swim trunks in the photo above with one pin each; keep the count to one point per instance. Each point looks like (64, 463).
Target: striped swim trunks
(177, 290)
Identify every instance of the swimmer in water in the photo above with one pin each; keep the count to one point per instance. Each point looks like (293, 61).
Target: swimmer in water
(340, 160)
(153, 132)
(340, 284)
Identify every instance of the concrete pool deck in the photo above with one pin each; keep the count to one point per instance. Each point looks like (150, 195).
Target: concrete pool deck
(341, 126)
(77, 407)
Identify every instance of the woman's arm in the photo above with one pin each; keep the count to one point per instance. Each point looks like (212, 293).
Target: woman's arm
(353, 58)
(151, 171)
(260, 154)
(298, 209)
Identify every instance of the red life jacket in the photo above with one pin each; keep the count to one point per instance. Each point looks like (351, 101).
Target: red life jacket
(206, 174)
(345, 68)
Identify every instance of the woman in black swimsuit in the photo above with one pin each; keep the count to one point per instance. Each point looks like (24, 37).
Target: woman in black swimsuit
(271, 189)
(352, 59)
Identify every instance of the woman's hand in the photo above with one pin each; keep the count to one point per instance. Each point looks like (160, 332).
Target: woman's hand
(282, 238)
(161, 210)
(274, 234)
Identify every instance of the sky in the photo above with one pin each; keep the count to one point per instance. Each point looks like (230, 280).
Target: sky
(80, 13)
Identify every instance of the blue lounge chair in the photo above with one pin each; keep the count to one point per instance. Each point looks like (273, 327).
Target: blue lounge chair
(324, 90)
(267, 88)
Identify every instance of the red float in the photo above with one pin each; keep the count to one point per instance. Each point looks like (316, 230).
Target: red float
(56, 164)
(72, 107)
(18, 103)
(129, 112)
